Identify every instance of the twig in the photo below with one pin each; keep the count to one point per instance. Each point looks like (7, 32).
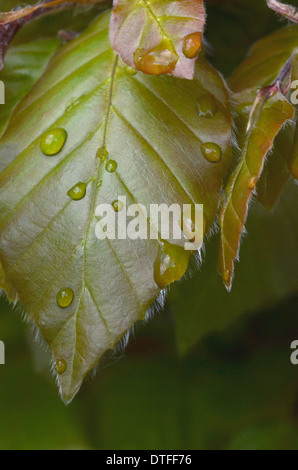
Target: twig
(281, 84)
(288, 11)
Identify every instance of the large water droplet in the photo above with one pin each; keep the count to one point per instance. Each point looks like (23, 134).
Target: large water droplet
(192, 44)
(207, 107)
(171, 264)
(65, 297)
(212, 152)
(111, 166)
(53, 141)
(78, 191)
(117, 205)
(161, 59)
(61, 366)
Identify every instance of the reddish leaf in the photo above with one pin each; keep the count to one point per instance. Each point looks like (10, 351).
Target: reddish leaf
(242, 183)
(160, 36)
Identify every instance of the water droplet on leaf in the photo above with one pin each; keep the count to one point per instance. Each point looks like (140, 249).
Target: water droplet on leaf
(212, 152)
(117, 206)
(102, 153)
(53, 141)
(78, 191)
(61, 366)
(161, 59)
(207, 107)
(65, 297)
(252, 183)
(171, 264)
(111, 166)
(192, 44)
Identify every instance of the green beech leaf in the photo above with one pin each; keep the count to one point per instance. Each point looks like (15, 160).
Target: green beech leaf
(151, 130)
(277, 168)
(24, 65)
(293, 160)
(266, 275)
(276, 172)
(11, 22)
(266, 59)
(243, 181)
(246, 20)
(260, 69)
(159, 36)
(7, 286)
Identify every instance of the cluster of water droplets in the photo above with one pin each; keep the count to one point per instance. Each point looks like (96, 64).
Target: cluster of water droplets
(172, 260)
(51, 144)
(64, 299)
(163, 58)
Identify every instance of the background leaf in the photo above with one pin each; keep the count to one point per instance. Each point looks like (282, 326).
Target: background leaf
(24, 65)
(265, 60)
(243, 181)
(276, 170)
(160, 36)
(254, 72)
(267, 273)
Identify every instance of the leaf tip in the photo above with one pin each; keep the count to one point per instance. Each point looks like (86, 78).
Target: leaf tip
(69, 391)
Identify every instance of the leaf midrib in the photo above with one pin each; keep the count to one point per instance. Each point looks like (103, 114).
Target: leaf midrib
(95, 194)
(151, 12)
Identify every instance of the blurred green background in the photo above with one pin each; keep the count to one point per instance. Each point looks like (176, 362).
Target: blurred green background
(210, 371)
(235, 390)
